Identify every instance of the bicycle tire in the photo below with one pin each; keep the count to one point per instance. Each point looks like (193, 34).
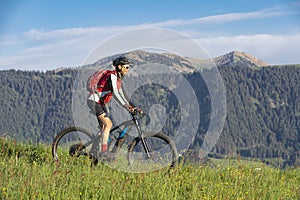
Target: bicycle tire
(71, 136)
(163, 144)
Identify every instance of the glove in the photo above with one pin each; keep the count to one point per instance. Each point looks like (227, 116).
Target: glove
(129, 108)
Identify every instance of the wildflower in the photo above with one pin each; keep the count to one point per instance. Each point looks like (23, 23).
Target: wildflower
(4, 191)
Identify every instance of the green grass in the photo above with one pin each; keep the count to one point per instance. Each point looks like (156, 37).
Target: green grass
(28, 172)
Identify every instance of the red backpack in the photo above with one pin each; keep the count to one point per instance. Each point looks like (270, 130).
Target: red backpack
(98, 80)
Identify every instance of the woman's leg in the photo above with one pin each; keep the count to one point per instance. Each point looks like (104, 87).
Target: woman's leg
(107, 125)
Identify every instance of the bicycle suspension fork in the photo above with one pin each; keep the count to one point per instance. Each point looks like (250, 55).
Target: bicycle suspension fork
(144, 143)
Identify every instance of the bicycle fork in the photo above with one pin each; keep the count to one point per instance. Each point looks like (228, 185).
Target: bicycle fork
(144, 143)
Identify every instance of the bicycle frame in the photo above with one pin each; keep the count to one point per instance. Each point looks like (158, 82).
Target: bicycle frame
(120, 139)
(133, 122)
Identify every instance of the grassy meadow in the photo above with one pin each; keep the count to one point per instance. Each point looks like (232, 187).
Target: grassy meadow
(28, 172)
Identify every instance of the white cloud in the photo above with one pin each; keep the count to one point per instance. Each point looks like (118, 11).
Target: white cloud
(274, 49)
(37, 49)
(35, 34)
(9, 40)
(222, 18)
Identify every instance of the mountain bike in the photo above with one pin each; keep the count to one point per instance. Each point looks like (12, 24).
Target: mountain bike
(145, 151)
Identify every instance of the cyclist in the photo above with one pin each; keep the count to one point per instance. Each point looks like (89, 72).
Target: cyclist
(98, 101)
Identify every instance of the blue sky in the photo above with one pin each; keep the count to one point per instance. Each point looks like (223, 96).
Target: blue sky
(40, 34)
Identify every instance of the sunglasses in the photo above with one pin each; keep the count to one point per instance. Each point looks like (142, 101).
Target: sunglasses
(126, 67)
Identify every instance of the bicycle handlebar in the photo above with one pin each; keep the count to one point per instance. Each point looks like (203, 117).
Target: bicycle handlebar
(137, 112)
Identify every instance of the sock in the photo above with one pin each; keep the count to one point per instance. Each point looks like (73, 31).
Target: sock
(104, 148)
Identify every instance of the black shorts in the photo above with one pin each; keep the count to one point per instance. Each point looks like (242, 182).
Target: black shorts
(97, 108)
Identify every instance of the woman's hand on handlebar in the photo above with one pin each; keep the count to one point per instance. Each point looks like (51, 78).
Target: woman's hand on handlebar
(134, 110)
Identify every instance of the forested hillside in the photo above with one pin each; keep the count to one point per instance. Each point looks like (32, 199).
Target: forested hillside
(263, 112)
(263, 107)
(35, 105)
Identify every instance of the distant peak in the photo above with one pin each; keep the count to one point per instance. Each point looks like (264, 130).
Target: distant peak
(235, 57)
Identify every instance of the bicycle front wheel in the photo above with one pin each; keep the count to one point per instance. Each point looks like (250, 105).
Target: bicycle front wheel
(162, 153)
(70, 144)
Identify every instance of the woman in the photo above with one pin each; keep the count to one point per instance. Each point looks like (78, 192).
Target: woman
(110, 84)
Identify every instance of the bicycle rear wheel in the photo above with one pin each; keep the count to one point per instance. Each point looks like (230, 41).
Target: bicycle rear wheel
(163, 153)
(71, 143)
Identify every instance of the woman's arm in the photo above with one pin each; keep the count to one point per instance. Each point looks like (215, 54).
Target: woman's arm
(118, 93)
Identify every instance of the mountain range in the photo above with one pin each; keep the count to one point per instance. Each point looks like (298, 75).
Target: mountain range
(262, 103)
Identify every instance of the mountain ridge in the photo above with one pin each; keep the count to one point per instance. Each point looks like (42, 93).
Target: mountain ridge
(183, 64)
(237, 56)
